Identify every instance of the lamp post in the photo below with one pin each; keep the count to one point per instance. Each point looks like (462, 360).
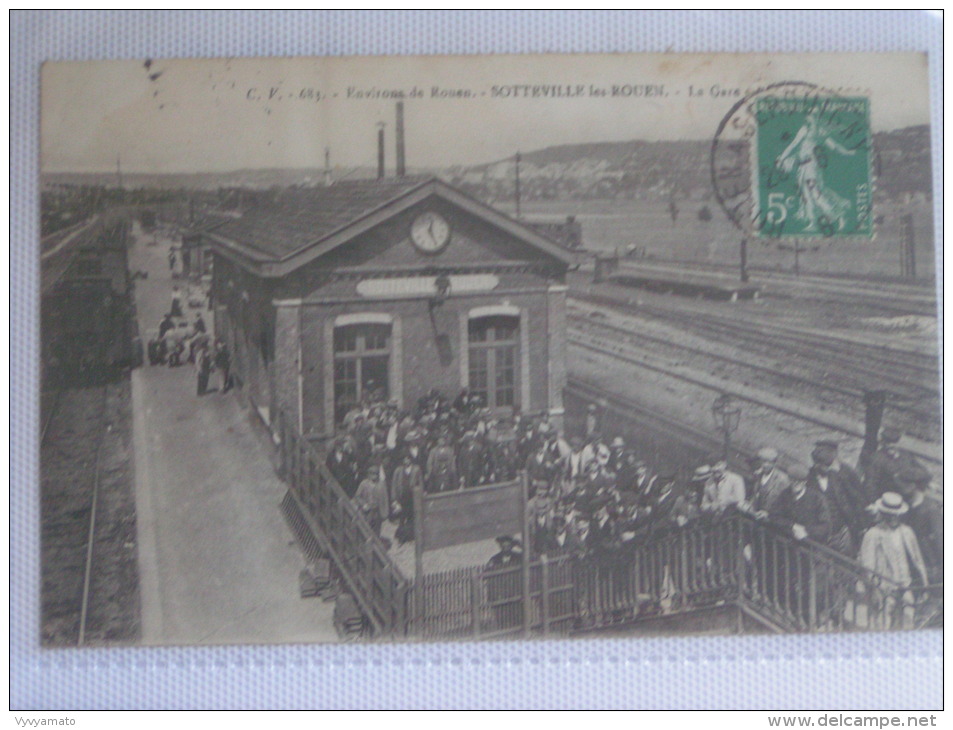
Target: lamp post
(727, 415)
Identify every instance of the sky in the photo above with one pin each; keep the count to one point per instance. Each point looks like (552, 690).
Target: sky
(217, 115)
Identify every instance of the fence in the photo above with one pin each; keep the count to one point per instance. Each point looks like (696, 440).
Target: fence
(361, 557)
(786, 585)
(808, 587)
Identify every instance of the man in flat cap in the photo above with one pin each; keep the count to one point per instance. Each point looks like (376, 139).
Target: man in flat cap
(889, 460)
(770, 481)
(724, 489)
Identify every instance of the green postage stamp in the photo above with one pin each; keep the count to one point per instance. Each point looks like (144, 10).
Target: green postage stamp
(813, 171)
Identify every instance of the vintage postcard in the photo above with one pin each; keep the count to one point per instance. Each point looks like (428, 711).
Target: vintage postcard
(421, 348)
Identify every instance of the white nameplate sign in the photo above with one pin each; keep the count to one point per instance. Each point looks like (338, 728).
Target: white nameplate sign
(425, 286)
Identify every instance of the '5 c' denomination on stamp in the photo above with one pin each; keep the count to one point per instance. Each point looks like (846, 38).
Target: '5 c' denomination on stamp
(812, 175)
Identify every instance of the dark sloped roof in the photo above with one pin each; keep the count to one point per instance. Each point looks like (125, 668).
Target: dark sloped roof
(277, 224)
(283, 230)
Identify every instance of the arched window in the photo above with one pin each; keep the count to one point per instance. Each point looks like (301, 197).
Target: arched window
(494, 344)
(361, 365)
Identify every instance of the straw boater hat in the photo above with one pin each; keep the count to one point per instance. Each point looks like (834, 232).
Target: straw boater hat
(891, 503)
(504, 540)
(768, 454)
(618, 443)
(701, 473)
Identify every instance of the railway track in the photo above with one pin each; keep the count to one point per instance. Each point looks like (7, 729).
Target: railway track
(915, 419)
(909, 375)
(640, 359)
(72, 449)
(887, 297)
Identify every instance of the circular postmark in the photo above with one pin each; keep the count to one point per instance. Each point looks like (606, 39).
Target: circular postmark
(793, 160)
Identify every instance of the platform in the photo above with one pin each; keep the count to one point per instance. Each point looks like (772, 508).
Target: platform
(686, 282)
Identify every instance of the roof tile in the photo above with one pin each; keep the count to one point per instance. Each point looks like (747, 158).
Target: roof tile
(279, 223)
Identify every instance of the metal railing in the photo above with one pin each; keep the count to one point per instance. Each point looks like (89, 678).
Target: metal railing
(731, 560)
(784, 584)
(361, 556)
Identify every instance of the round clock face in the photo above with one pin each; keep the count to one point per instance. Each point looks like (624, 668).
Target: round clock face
(430, 232)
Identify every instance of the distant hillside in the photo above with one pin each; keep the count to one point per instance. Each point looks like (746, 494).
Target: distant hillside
(639, 169)
(603, 170)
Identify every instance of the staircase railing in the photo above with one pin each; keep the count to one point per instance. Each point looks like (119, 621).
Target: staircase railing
(734, 561)
(372, 577)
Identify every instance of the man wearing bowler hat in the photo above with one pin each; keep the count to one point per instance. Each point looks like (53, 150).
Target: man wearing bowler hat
(845, 499)
(504, 589)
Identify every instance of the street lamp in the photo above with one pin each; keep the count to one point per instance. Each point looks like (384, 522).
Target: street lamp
(727, 414)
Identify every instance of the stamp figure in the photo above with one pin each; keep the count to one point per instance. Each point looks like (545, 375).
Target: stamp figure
(813, 174)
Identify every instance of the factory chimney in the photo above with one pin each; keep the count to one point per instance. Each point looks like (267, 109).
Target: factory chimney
(401, 169)
(380, 150)
(327, 167)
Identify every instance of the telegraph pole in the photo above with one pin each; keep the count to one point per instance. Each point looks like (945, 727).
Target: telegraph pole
(518, 158)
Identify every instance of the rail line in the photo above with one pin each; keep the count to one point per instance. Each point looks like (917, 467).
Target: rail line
(891, 297)
(615, 350)
(75, 428)
(915, 417)
(898, 370)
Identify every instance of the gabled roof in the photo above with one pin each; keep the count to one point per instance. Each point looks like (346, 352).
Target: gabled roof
(288, 229)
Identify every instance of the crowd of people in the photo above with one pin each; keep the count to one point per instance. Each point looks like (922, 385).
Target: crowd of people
(595, 495)
(179, 342)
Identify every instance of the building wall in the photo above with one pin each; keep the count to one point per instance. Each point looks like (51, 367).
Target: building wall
(245, 318)
(281, 330)
(419, 360)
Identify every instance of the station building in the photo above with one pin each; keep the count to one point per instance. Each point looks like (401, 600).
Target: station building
(386, 290)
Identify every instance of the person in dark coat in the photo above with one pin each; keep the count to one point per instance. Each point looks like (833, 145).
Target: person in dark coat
(925, 516)
(203, 365)
(541, 470)
(845, 500)
(441, 473)
(504, 587)
(663, 502)
(343, 466)
(880, 473)
(223, 363)
(407, 479)
(165, 325)
(768, 484)
(471, 461)
(802, 512)
(414, 448)
(503, 458)
(175, 309)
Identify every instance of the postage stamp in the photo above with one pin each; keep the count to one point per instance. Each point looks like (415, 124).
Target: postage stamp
(813, 171)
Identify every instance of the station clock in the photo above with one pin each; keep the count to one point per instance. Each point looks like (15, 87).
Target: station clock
(430, 232)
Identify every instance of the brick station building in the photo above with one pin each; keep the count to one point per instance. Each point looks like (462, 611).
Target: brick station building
(388, 289)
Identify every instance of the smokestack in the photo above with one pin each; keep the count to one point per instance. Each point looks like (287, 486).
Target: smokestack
(401, 170)
(327, 167)
(380, 150)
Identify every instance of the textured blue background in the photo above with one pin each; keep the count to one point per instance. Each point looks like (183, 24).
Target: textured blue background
(897, 671)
